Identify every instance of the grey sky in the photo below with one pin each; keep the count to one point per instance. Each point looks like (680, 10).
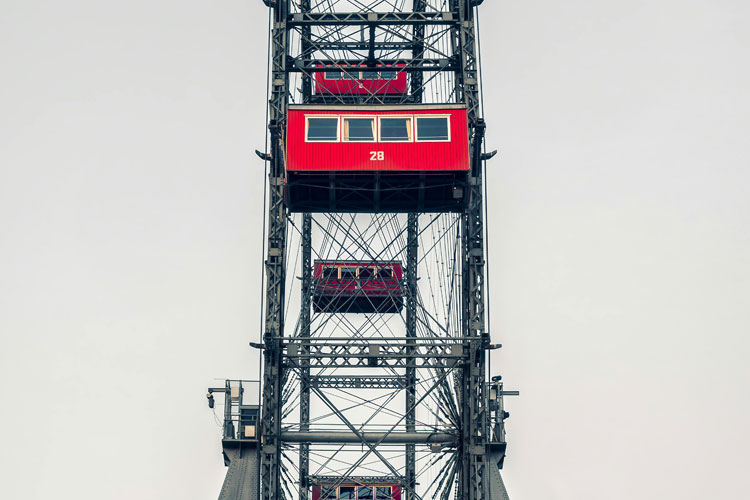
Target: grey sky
(130, 241)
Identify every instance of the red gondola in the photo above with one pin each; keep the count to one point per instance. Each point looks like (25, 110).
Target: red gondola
(357, 287)
(377, 158)
(381, 81)
(355, 489)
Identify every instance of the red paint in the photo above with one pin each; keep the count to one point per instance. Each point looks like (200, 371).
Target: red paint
(397, 86)
(357, 156)
(373, 287)
(316, 490)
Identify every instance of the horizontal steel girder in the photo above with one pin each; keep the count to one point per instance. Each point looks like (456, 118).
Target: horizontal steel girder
(399, 480)
(358, 381)
(370, 18)
(346, 45)
(329, 355)
(370, 437)
(401, 65)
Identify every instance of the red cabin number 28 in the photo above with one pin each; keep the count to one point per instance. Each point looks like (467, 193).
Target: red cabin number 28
(376, 156)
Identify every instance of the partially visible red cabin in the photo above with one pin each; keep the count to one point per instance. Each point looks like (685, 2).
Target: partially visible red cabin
(378, 81)
(355, 489)
(357, 287)
(403, 158)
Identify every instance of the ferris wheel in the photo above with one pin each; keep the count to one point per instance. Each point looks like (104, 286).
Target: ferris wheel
(374, 346)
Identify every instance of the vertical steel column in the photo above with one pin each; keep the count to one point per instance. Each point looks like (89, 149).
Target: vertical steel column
(228, 425)
(270, 452)
(473, 479)
(306, 48)
(417, 52)
(412, 259)
(412, 250)
(468, 82)
(304, 395)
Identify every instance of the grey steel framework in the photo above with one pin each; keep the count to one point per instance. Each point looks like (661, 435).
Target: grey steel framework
(342, 375)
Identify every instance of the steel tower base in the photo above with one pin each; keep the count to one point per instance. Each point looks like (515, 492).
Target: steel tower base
(497, 487)
(242, 481)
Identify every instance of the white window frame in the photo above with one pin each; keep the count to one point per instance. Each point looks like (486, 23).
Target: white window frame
(416, 127)
(389, 141)
(338, 127)
(375, 133)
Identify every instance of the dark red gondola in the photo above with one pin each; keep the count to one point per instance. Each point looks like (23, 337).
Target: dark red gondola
(355, 489)
(357, 287)
(381, 81)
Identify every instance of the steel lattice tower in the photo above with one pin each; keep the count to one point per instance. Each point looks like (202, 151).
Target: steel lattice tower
(399, 396)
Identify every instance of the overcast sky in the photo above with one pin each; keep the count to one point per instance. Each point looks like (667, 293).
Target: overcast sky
(130, 242)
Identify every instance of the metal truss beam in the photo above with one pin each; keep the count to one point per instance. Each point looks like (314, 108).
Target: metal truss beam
(371, 18)
(412, 260)
(358, 382)
(273, 374)
(369, 437)
(398, 480)
(378, 45)
(304, 332)
(418, 50)
(306, 47)
(407, 65)
(473, 481)
(359, 354)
